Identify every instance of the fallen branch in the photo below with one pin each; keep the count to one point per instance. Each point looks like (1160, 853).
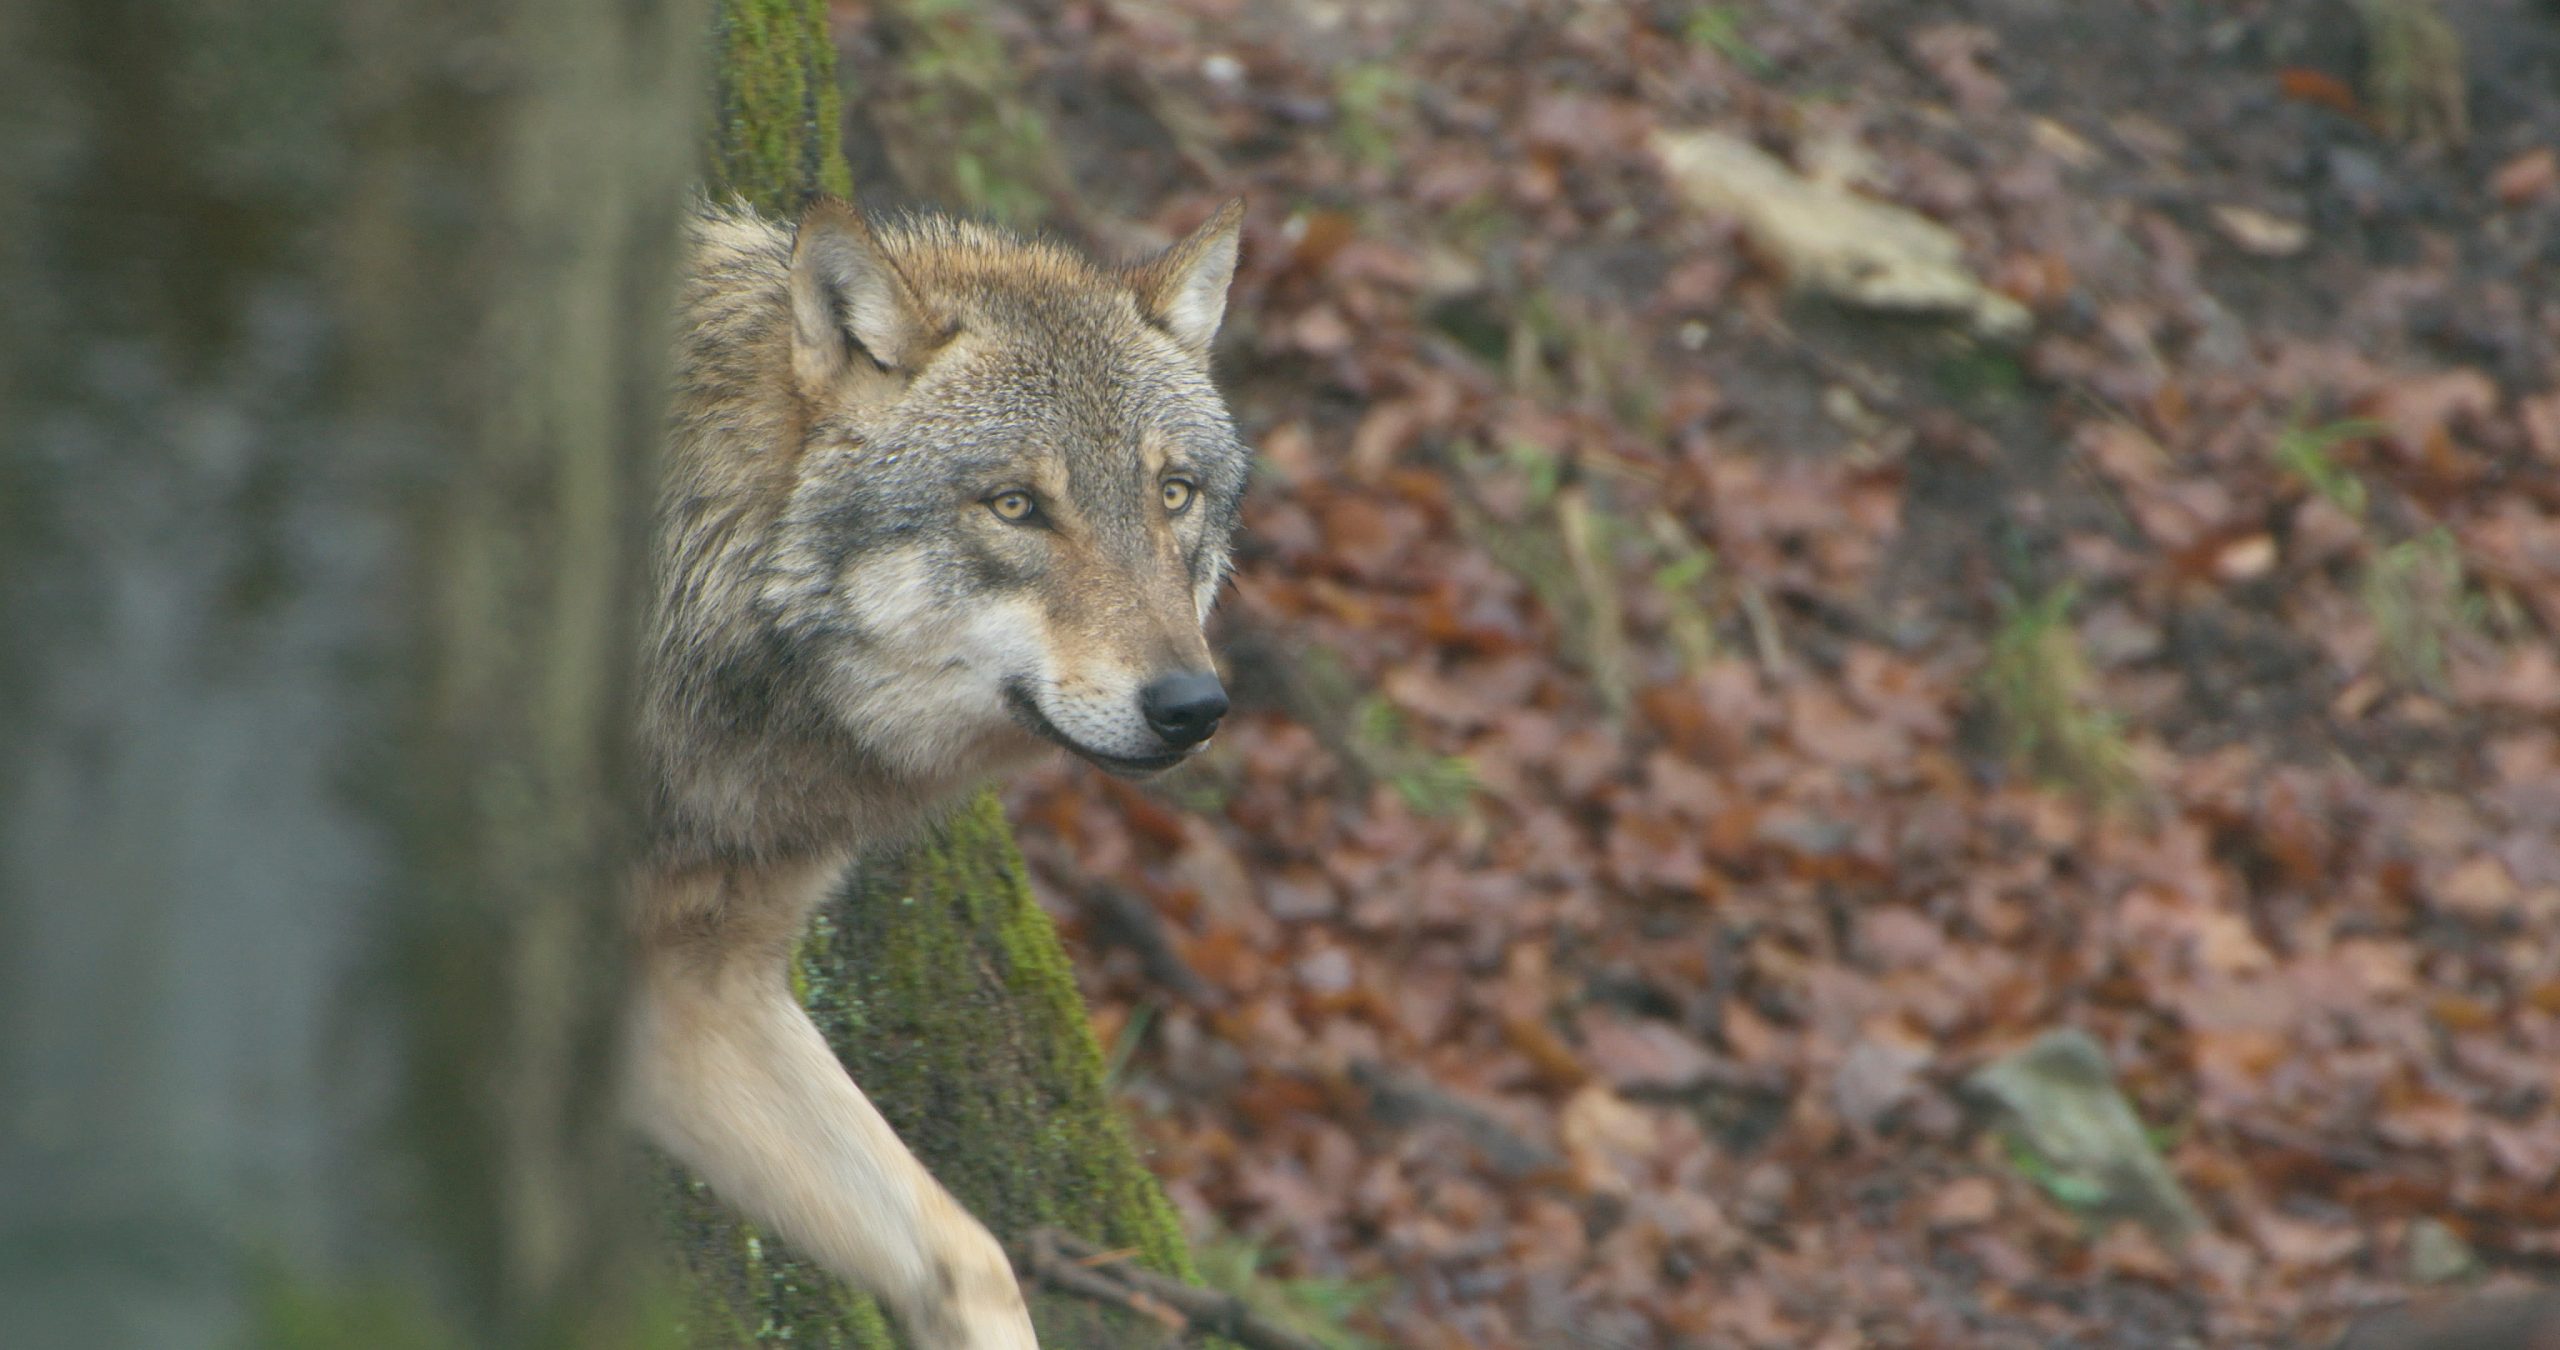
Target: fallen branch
(1066, 1264)
(1125, 920)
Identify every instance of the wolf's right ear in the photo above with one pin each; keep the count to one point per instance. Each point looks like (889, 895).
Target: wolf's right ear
(850, 307)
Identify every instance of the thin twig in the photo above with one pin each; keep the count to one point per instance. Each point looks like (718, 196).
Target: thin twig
(1067, 1264)
(1128, 921)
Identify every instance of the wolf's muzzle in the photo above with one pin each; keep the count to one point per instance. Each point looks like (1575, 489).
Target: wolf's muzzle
(1184, 708)
(1026, 712)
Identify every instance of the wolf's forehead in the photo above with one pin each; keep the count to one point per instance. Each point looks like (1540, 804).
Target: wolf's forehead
(1080, 389)
(1033, 297)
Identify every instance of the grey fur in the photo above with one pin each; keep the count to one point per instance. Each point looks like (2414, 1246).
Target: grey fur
(847, 636)
(780, 710)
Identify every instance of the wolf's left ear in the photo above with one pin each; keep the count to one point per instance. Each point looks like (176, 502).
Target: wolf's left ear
(849, 304)
(1184, 290)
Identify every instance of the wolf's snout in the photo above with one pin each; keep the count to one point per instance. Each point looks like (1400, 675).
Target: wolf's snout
(1184, 708)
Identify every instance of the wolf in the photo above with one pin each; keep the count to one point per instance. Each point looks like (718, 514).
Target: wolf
(937, 500)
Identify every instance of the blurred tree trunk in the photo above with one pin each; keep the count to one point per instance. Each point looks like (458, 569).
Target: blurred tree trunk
(333, 361)
(937, 978)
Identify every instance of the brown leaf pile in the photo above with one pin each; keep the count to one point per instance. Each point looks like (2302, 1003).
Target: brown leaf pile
(1625, 842)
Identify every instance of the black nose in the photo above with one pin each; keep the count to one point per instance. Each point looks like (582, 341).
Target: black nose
(1184, 708)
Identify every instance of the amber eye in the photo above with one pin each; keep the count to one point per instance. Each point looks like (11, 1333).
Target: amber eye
(1178, 493)
(1015, 506)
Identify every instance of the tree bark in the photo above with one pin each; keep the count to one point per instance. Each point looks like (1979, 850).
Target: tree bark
(938, 980)
(334, 363)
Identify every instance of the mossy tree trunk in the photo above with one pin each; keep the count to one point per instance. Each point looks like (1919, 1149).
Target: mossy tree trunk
(940, 982)
(333, 364)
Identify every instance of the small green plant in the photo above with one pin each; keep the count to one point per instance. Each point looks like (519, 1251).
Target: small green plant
(2071, 1190)
(2037, 684)
(1684, 573)
(1371, 100)
(1204, 787)
(1433, 785)
(1718, 28)
(2420, 602)
(1319, 1308)
(2309, 453)
(1589, 352)
(1981, 377)
(2414, 77)
(1537, 466)
(1124, 1047)
(1479, 224)
(1611, 367)
(1685, 578)
(957, 110)
(1566, 548)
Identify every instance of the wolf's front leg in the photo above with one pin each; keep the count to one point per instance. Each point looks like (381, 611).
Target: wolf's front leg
(732, 1078)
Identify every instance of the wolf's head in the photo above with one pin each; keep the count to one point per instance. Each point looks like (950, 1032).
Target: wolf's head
(1014, 495)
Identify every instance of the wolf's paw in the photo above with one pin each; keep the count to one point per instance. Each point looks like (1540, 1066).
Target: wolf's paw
(972, 1302)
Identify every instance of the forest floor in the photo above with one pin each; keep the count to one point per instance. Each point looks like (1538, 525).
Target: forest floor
(1690, 728)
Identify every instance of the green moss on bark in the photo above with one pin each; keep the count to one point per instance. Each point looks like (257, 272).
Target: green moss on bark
(743, 1288)
(943, 986)
(774, 136)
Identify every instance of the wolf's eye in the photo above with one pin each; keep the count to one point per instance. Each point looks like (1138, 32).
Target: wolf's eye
(1015, 506)
(1178, 493)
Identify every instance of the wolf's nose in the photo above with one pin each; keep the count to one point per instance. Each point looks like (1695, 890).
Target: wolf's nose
(1184, 708)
